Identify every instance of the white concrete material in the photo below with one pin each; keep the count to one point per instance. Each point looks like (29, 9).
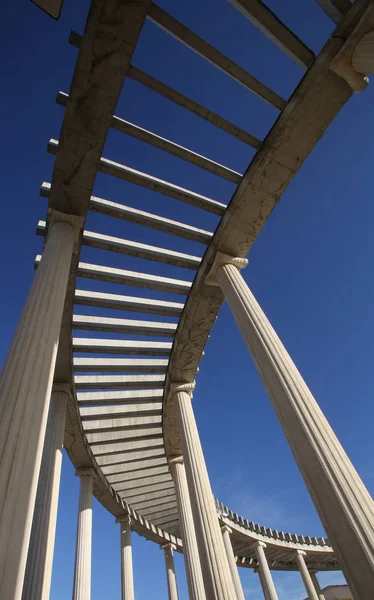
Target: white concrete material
(265, 575)
(141, 474)
(155, 328)
(154, 183)
(132, 248)
(205, 50)
(216, 573)
(123, 397)
(134, 466)
(170, 571)
(121, 346)
(313, 576)
(114, 449)
(190, 549)
(116, 424)
(127, 213)
(121, 436)
(82, 569)
(110, 412)
(342, 501)
(38, 573)
(269, 24)
(127, 576)
(86, 382)
(306, 577)
(119, 302)
(120, 365)
(226, 531)
(25, 391)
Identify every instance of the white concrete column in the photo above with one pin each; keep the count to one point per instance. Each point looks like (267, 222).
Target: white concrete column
(83, 552)
(127, 575)
(313, 576)
(216, 573)
(342, 501)
(170, 571)
(309, 586)
(226, 531)
(38, 574)
(194, 575)
(25, 391)
(264, 572)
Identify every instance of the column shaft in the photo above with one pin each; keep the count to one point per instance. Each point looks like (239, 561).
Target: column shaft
(25, 390)
(310, 589)
(342, 501)
(82, 574)
(190, 550)
(265, 574)
(127, 576)
(38, 574)
(313, 576)
(170, 572)
(216, 573)
(232, 563)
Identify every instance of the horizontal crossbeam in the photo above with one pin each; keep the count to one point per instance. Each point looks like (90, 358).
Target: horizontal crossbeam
(131, 303)
(86, 382)
(212, 55)
(119, 397)
(133, 215)
(167, 145)
(110, 167)
(119, 365)
(268, 23)
(121, 346)
(178, 98)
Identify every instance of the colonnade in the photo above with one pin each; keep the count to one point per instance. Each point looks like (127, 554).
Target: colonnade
(28, 513)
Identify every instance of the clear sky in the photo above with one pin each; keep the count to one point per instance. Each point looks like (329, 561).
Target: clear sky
(310, 269)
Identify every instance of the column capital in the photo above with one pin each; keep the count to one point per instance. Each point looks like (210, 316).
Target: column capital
(76, 223)
(259, 544)
(168, 546)
(61, 387)
(176, 460)
(85, 472)
(177, 386)
(124, 519)
(221, 260)
(301, 552)
(226, 528)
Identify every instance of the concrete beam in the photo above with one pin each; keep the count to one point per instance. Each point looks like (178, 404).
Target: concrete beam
(144, 473)
(85, 382)
(131, 248)
(162, 498)
(167, 145)
(154, 492)
(118, 436)
(336, 9)
(128, 410)
(112, 450)
(133, 215)
(125, 459)
(144, 485)
(131, 303)
(120, 396)
(134, 466)
(166, 509)
(216, 58)
(117, 424)
(269, 24)
(194, 107)
(86, 323)
(110, 167)
(118, 365)
(121, 347)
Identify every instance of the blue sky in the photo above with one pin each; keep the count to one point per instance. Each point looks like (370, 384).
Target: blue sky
(310, 269)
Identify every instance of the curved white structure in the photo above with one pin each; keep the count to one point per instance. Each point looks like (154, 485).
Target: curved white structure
(129, 424)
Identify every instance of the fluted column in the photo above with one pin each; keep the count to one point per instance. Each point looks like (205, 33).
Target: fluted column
(313, 576)
(25, 390)
(265, 574)
(40, 555)
(342, 501)
(216, 573)
(127, 576)
(310, 589)
(194, 575)
(83, 552)
(170, 571)
(226, 531)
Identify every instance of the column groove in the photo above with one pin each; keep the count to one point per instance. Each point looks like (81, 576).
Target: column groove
(170, 571)
(342, 501)
(25, 390)
(226, 531)
(127, 575)
(82, 572)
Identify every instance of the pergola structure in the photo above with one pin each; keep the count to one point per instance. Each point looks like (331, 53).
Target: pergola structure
(127, 423)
